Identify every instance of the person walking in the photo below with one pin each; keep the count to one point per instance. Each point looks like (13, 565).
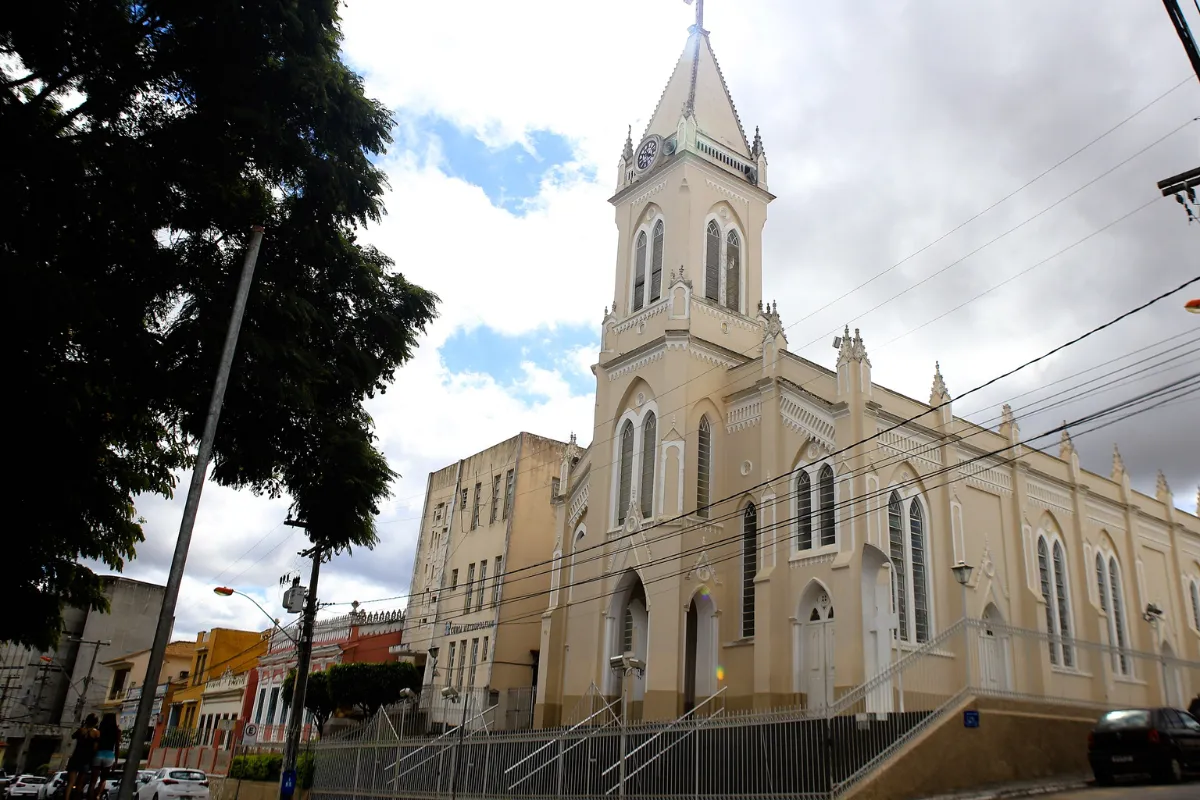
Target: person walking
(107, 742)
(79, 765)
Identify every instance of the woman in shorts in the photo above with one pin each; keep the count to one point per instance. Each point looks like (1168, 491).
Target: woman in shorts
(107, 740)
(79, 765)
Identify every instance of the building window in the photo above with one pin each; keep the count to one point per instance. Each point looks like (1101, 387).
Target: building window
(712, 262)
(258, 708)
(271, 706)
(474, 661)
(1102, 583)
(639, 271)
(571, 575)
(475, 506)
(462, 507)
(509, 482)
(703, 467)
(453, 579)
(1058, 612)
(916, 524)
(484, 656)
(910, 569)
(462, 663)
(733, 271)
(470, 586)
(437, 512)
(1196, 602)
(118, 684)
(555, 484)
(749, 567)
(496, 582)
(825, 481)
(482, 584)
(1112, 601)
(804, 526)
(656, 262)
(649, 449)
(201, 665)
(899, 563)
(495, 499)
(627, 633)
(626, 476)
(450, 664)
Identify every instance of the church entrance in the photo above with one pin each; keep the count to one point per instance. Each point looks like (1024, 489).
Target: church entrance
(627, 627)
(699, 656)
(817, 653)
(994, 675)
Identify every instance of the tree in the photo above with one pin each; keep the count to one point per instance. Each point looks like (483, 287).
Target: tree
(145, 140)
(318, 699)
(370, 687)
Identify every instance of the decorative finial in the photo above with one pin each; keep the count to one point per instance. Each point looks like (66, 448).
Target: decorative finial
(760, 306)
(1118, 468)
(1161, 488)
(627, 154)
(572, 437)
(939, 383)
(1006, 415)
(1065, 446)
(671, 279)
(757, 148)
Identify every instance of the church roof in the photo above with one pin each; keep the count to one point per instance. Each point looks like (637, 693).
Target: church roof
(698, 88)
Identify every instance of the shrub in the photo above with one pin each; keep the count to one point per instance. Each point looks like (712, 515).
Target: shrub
(265, 767)
(305, 766)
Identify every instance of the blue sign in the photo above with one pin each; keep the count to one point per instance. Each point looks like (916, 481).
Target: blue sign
(970, 719)
(289, 783)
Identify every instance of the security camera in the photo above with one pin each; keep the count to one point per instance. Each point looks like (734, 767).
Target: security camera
(449, 692)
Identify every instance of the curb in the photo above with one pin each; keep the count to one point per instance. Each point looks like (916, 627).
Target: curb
(1002, 793)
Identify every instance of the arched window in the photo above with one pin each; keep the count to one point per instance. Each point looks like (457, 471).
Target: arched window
(1196, 603)
(1102, 582)
(1117, 618)
(749, 567)
(575, 545)
(1058, 611)
(656, 262)
(626, 477)
(649, 449)
(803, 511)
(639, 275)
(825, 481)
(733, 271)
(712, 262)
(916, 524)
(627, 632)
(899, 563)
(703, 467)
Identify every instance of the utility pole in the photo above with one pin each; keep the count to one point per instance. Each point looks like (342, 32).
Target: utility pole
(1183, 186)
(87, 681)
(166, 615)
(1185, 33)
(462, 726)
(295, 723)
(31, 727)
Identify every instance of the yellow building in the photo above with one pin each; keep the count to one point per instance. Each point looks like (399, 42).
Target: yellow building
(486, 518)
(129, 674)
(737, 495)
(218, 652)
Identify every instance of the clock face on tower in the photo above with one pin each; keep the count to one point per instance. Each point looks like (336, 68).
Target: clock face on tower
(647, 153)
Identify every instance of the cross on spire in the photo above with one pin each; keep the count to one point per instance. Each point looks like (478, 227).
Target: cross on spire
(699, 13)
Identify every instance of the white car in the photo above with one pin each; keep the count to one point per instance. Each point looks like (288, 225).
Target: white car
(173, 782)
(47, 789)
(26, 786)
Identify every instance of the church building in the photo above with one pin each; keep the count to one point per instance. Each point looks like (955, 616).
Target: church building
(750, 521)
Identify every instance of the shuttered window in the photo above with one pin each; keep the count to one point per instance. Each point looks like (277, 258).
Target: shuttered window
(656, 262)
(649, 448)
(703, 467)
(733, 271)
(712, 263)
(639, 275)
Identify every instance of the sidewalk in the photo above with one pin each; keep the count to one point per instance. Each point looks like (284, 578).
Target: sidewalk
(1002, 791)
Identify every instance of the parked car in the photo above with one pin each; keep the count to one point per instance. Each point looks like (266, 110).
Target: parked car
(48, 789)
(26, 786)
(1161, 742)
(171, 782)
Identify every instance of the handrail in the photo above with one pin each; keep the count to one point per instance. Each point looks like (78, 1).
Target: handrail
(564, 751)
(650, 761)
(564, 733)
(433, 742)
(709, 699)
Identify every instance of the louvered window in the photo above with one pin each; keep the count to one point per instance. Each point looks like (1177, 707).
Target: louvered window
(1118, 615)
(626, 479)
(656, 262)
(899, 562)
(916, 524)
(712, 263)
(639, 275)
(1048, 595)
(1064, 610)
(703, 467)
(1101, 582)
(649, 448)
(749, 567)
(733, 271)
(828, 535)
(804, 526)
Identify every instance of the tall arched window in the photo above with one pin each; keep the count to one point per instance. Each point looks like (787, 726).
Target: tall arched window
(825, 483)
(1102, 582)
(712, 262)
(627, 632)
(656, 262)
(733, 271)
(649, 449)
(1052, 570)
(916, 524)
(1196, 602)
(703, 467)
(749, 567)
(804, 524)
(575, 545)
(626, 476)
(899, 563)
(639, 275)
(1117, 617)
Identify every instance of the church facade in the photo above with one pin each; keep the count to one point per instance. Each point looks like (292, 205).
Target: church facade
(749, 520)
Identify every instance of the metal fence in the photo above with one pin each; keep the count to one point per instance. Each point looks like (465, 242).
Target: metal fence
(820, 751)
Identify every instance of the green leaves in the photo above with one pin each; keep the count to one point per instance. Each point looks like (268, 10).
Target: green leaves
(151, 138)
(365, 687)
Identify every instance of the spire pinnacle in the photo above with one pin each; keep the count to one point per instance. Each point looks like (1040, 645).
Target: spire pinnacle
(627, 153)
(756, 149)
(1065, 446)
(1118, 468)
(939, 383)
(1161, 488)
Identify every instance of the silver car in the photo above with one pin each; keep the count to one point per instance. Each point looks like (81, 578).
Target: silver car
(26, 786)
(48, 789)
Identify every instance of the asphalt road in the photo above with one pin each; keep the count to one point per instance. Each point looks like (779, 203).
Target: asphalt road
(1184, 791)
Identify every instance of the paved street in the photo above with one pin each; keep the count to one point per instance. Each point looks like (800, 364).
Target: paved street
(1183, 791)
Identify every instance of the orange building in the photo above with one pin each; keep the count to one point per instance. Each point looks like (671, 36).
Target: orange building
(219, 651)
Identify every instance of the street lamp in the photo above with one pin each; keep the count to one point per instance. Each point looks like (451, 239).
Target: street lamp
(623, 665)
(1154, 615)
(1193, 305)
(962, 573)
(225, 591)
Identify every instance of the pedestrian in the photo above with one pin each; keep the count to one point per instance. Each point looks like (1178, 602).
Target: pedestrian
(1194, 708)
(107, 742)
(79, 765)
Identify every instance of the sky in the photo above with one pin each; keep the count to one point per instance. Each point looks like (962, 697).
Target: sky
(887, 126)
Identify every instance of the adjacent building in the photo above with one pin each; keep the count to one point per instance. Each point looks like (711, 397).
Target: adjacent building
(129, 676)
(488, 521)
(219, 653)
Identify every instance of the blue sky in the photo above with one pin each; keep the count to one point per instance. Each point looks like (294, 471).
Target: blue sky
(483, 350)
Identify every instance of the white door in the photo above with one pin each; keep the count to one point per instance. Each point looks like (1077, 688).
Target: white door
(819, 655)
(993, 660)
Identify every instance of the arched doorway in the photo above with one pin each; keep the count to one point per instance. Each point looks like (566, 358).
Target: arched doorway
(1172, 684)
(994, 672)
(700, 656)
(815, 659)
(627, 624)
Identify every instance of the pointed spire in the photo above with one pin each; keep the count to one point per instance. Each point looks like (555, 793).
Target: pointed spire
(756, 149)
(1118, 468)
(1066, 448)
(939, 383)
(1161, 489)
(627, 153)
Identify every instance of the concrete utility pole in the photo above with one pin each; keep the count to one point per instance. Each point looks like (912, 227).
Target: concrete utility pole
(166, 616)
(295, 723)
(31, 727)
(1183, 186)
(87, 681)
